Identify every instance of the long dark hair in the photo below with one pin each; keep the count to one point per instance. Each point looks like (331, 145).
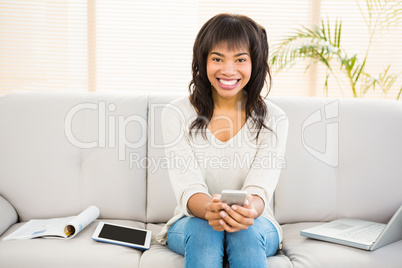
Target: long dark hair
(237, 31)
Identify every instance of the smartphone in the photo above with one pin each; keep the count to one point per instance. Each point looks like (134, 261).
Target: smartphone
(234, 197)
(122, 235)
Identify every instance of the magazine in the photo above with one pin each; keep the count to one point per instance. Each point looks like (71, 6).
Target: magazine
(67, 227)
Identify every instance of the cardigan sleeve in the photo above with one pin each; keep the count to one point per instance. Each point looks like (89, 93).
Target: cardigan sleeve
(269, 159)
(185, 174)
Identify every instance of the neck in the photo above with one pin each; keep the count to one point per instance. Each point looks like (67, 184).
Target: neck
(237, 102)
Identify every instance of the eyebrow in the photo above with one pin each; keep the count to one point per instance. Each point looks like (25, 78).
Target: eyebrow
(237, 55)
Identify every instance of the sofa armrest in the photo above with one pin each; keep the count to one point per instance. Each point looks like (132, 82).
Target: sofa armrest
(8, 215)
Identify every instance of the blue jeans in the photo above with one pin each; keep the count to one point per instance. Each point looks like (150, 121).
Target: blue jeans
(202, 246)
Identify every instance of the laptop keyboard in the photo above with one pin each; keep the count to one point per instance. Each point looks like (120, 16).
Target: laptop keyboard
(366, 234)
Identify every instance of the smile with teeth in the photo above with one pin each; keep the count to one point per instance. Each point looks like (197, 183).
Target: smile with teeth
(228, 82)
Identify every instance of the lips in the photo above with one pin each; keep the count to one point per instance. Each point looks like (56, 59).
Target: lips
(228, 83)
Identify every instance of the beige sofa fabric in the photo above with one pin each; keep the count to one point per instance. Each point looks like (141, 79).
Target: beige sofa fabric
(161, 201)
(61, 158)
(61, 152)
(343, 160)
(8, 215)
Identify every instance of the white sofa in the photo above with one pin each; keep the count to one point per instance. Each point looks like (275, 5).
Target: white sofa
(62, 152)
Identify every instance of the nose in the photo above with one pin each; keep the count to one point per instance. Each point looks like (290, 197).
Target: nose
(228, 69)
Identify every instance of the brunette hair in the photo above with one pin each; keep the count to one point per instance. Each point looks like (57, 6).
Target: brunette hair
(237, 31)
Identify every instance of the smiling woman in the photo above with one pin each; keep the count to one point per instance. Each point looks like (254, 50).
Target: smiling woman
(231, 54)
(225, 116)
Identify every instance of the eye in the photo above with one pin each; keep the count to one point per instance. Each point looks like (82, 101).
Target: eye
(216, 60)
(241, 60)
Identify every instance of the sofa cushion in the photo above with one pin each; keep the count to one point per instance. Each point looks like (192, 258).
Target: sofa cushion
(307, 187)
(8, 215)
(109, 178)
(62, 152)
(161, 201)
(306, 252)
(158, 255)
(343, 160)
(81, 251)
(370, 153)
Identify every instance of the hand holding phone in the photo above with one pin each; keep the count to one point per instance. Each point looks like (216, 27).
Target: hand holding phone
(234, 197)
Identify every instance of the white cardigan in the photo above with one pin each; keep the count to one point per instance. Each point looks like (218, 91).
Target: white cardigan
(199, 165)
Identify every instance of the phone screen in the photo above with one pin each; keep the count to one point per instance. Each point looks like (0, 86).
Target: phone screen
(123, 234)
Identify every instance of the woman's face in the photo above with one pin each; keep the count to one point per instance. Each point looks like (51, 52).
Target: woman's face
(228, 70)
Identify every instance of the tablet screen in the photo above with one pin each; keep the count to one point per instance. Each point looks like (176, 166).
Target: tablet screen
(123, 234)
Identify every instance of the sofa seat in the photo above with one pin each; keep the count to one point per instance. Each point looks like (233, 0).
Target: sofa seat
(81, 251)
(306, 252)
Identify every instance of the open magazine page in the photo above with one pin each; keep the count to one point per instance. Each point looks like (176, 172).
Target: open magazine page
(78, 223)
(67, 227)
(40, 228)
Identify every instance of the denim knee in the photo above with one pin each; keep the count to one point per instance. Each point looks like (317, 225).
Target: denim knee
(201, 234)
(251, 247)
(195, 239)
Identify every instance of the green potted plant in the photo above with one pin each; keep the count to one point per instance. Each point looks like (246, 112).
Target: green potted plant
(322, 44)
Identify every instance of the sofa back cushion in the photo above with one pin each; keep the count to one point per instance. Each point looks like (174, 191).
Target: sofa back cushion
(343, 159)
(161, 201)
(62, 152)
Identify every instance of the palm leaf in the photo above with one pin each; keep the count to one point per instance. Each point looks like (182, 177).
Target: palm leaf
(384, 81)
(358, 71)
(322, 44)
(381, 15)
(307, 42)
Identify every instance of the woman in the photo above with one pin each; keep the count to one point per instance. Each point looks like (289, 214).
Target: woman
(224, 136)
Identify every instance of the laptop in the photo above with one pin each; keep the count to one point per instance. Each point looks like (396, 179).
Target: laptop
(356, 233)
